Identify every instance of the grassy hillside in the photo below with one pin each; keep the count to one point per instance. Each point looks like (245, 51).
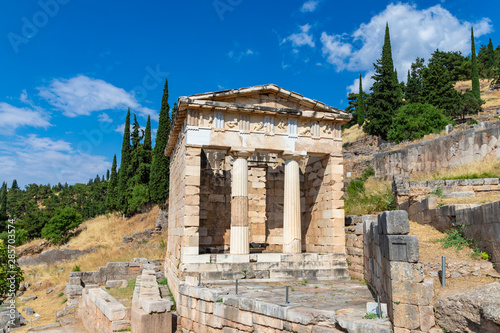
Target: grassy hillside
(106, 234)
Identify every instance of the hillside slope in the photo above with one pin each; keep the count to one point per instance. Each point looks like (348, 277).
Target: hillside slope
(105, 233)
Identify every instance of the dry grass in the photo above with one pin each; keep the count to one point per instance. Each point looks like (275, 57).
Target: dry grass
(430, 251)
(477, 200)
(106, 234)
(489, 166)
(353, 133)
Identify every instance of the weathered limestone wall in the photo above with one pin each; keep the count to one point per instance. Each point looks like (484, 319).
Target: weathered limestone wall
(473, 145)
(322, 211)
(150, 313)
(102, 313)
(177, 193)
(215, 200)
(409, 192)
(354, 244)
(391, 267)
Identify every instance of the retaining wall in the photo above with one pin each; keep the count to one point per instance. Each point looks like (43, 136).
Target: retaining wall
(102, 313)
(472, 145)
(414, 191)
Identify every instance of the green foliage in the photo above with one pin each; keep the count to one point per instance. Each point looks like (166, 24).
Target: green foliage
(469, 176)
(438, 192)
(140, 197)
(475, 71)
(360, 110)
(370, 316)
(11, 274)
(455, 238)
(163, 281)
(471, 122)
(3, 206)
(415, 120)
(123, 174)
(470, 105)
(57, 230)
(353, 106)
(159, 179)
(112, 193)
(413, 93)
(386, 96)
(358, 202)
(61, 294)
(76, 268)
(439, 85)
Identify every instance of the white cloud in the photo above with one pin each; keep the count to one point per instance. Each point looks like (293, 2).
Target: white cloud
(34, 159)
(302, 38)
(309, 6)
(414, 33)
(237, 56)
(82, 95)
(12, 117)
(104, 118)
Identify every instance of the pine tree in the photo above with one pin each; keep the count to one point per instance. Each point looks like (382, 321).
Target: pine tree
(112, 193)
(413, 93)
(386, 97)
(475, 72)
(361, 103)
(124, 175)
(159, 179)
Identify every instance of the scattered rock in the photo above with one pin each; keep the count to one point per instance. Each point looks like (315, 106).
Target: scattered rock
(22, 287)
(116, 284)
(67, 321)
(29, 311)
(127, 239)
(26, 285)
(53, 256)
(38, 283)
(29, 298)
(455, 275)
(147, 233)
(138, 235)
(472, 311)
(161, 223)
(65, 311)
(49, 290)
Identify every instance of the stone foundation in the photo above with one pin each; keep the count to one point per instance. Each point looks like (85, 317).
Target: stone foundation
(102, 313)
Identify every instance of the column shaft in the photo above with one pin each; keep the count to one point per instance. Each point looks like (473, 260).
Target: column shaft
(292, 234)
(240, 238)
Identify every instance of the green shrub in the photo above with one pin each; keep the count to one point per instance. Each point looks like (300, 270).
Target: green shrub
(472, 121)
(76, 268)
(61, 294)
(413, 121)
(455, 238)
(470, 176)
(57, 230)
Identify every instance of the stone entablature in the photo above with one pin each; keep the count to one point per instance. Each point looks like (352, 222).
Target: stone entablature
(260, 165)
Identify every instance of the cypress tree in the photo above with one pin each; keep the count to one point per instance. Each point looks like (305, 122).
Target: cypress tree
(14, 185)
(159, 179)
(147, 135)
(386, 96)
(3, 203)
(124, 175)
(112, 193)
(107, 173)
(413, 92)
(475, 72)
(361, 104)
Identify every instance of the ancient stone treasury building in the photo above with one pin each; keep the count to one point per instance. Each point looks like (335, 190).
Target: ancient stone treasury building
(255, 187)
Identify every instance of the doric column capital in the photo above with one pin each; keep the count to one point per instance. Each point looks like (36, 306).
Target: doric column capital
(293, 155)
(241, 152)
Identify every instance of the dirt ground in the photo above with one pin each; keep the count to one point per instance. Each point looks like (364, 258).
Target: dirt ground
(431, 251)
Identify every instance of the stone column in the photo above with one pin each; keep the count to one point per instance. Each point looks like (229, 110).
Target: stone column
(292, 233)
(240, 238)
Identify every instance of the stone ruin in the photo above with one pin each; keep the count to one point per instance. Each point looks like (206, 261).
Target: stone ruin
(255, 187)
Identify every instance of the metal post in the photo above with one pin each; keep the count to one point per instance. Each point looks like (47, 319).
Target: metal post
(236, 285)
(443, 271)
(199, 279)
(379, 307)
(286, 294)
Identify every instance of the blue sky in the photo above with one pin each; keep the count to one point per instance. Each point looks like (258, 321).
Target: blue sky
(70, 68)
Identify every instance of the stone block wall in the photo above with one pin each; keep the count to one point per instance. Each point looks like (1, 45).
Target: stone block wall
(473, 145)
(482, 223)
(391, 267)
(406, 191)
(354, 244)
(102, 313)
(322, 206)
